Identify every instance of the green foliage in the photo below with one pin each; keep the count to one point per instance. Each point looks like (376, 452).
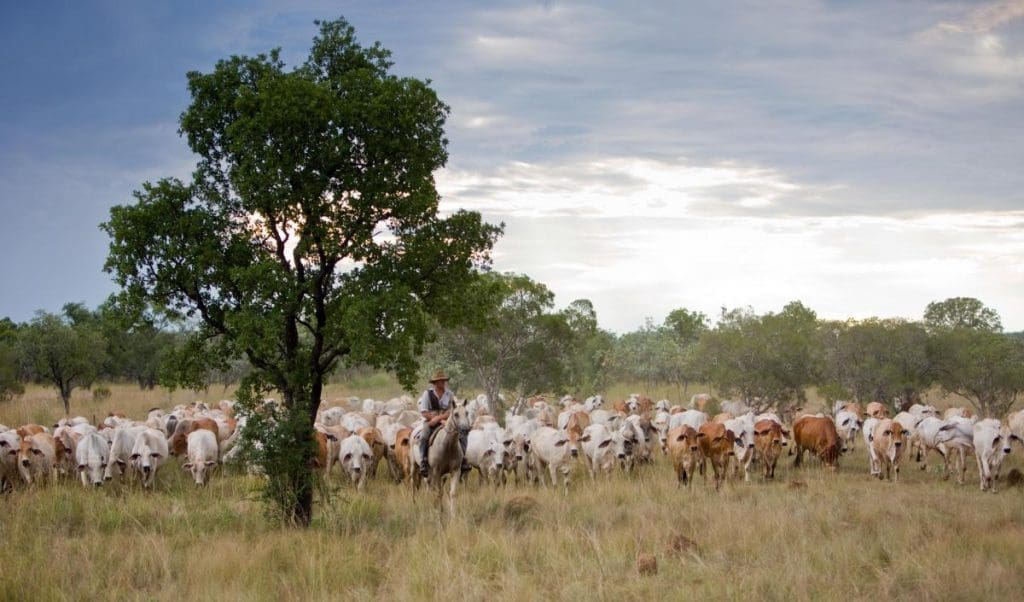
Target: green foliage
(762, 359)
(62, 353)
(10, 382)
(876, 360)
(961, 312)
(512, 339)
(309, 233)
(589, 349)
(985, 367)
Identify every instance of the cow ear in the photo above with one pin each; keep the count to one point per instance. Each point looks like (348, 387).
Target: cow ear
(1015, 437)
(187, 466)
(995, 442)
(701, 435)
(585, 438)
(906, 433)
(605, 443)
(561, 443)
(210, 462)
(331, 437)
(871, 437)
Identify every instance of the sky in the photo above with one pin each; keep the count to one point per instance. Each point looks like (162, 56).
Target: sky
(865, 158)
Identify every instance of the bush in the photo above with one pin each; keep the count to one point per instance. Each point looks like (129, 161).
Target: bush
(101, 393)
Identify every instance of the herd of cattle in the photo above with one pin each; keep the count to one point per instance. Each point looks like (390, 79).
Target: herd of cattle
(539, 441)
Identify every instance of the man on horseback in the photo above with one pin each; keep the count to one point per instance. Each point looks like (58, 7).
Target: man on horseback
(434, 407)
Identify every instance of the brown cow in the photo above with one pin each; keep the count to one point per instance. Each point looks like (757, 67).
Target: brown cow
(645, 407)
(716, 444)
(401, 451)
(324, 458)
(29, 429)
(36, 458)
(819, 436)
(888, 442)
(375, 440)
(769, 439)
(178, 443)
(684, 449)
(621, 406)
(877, 410)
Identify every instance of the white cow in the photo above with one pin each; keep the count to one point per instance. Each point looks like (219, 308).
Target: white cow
(660, 423)
(691, 418)
(10, 443)
(742, 428)
(354, 421)
(331, 416)
(355, 454)
(202, 454)
(522, 432)
(550, 449)
(485, 451)
(946, 437)
(847, 425)
(874, 463)
(148, 454)
(121, 445)
(599, 449)
(991, 446)
(91, 455)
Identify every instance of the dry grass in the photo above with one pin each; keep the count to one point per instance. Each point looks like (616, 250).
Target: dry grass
(843, 535)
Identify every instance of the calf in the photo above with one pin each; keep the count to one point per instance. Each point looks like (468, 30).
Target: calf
(769, 439)
(716, 444)
(91, 455)
(178, 444)
(875, 409)
(37, 458)
(148, 454)
(991, 446)
(355, 456)
(888, 441)
(202, 454)
(817, 435)
(683, 446)
(551, 450)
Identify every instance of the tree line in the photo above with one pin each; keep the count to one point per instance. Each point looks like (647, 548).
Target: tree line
(516, 342)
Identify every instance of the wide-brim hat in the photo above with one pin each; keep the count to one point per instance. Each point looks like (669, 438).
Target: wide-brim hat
(439, 375)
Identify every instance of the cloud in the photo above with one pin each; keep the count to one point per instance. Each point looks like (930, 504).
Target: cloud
(605, 241)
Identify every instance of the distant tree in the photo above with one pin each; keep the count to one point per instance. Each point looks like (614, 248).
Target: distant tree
(985, 367)
(686, 325)
(589, 348)
(961, 312)
(308, 236)
(136, 344)
(876, 360)
(762, 359)
(62, 354)
(10, 374)
(514, 342)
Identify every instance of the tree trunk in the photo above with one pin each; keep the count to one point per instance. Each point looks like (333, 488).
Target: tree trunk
(65, 396)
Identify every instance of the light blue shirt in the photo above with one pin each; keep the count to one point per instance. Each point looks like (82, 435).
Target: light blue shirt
(443, 401)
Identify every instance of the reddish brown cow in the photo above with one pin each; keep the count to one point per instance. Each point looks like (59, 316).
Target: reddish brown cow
(769, 438)
(402, 452)
(716, 444)
(684, 449)
(722, 417)
(877, 410)
(324, 459)
(819, 436)
(29, 429)
(178, 443)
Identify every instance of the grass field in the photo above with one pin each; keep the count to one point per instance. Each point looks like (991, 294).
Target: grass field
(809, 535)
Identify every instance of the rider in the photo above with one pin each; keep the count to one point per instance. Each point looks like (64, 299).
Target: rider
(433, 406)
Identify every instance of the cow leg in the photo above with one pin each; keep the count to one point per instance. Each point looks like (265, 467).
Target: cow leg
(799, 456)
(981, 471)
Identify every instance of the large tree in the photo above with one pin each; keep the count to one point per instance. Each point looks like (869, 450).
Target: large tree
(308, 235)
(10, 373)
